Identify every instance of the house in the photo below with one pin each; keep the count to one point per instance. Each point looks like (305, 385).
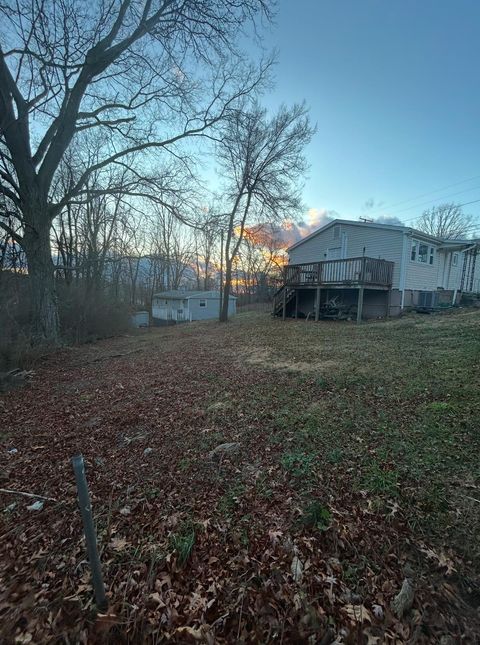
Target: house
(182, 306)
(374, 270)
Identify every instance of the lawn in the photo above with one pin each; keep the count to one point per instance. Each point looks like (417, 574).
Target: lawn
(357, 466)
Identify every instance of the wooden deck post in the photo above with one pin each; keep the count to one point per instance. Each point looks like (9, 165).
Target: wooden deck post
(317, 304)
(296, 304)
(284, 311)
(389, 298)
(360, 304)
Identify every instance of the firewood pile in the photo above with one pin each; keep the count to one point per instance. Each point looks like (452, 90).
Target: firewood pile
(334, 309)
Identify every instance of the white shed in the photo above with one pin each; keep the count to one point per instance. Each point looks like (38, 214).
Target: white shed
(140, 319)
(182, 306)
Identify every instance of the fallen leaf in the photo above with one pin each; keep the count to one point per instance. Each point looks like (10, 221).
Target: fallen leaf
(297, 569)
(118, 543)
(378, 611)
(358, 613)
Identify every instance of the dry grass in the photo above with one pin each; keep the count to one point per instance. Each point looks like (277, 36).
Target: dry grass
(359, 451)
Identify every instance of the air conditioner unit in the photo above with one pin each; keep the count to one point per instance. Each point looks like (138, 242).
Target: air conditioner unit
(427, 299)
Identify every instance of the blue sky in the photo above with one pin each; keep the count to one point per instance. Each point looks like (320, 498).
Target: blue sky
(393, 87)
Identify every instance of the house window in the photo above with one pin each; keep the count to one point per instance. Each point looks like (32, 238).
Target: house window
(455, 259)
(413, 256)
(422, 253)
(336, 232)
(414, 251)
(203, 303)
(180, 311)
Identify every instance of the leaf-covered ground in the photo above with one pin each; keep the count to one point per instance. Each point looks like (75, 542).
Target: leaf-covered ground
(357, 468)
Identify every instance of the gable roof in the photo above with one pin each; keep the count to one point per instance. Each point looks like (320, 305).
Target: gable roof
(185, 295)
(389, 227)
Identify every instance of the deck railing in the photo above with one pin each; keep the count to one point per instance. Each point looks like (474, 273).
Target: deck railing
(352, 271)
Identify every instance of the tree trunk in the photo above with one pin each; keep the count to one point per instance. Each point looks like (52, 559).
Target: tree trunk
(207, 269)
(226, 291)
(44, 305)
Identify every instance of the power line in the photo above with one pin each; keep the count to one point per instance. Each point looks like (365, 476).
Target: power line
(475, 201)
(411, 199)
(443, 197)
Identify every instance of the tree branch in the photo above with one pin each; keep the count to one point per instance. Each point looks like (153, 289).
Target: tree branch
(15, 236)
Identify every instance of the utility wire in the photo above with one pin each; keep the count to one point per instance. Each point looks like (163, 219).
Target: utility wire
(428, 202)
(438, 190)
(475, 201)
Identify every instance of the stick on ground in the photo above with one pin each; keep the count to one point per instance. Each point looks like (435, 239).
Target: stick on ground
(21, 492)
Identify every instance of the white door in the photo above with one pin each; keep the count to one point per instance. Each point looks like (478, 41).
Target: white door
(336, 272)
(334, 253)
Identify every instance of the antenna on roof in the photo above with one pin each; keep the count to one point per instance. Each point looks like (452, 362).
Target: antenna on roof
(366, 220)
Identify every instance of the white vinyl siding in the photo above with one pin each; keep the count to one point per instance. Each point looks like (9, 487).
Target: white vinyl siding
(206, 309)
(450, 266)
(197, 306)
(425, 264)
(359, 240)
(425, 268)
(334, 253)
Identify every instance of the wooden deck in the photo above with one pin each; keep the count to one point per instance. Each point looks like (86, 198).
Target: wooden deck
(352, 272)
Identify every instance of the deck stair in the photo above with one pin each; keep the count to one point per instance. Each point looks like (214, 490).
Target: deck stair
(278, 299)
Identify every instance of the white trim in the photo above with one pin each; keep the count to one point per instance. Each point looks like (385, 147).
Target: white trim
(431, 252)
(343, 252)
(403, 267)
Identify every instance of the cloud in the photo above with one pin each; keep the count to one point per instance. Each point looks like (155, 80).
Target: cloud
(292, 232)
(388, 219)
(372, 204)
(314, 219)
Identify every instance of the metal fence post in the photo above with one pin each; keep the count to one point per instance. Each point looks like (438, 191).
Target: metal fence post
(90, 536)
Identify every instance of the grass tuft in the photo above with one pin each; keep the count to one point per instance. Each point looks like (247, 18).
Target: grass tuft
(182, 542)
(317, 516)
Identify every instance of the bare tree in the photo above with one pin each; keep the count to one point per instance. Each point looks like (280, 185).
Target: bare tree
(83, 231)
(261, 257)
(263, 161)
(132, 241)
(11, 254)
(135, 71)
(206, 239)
(446, 221)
